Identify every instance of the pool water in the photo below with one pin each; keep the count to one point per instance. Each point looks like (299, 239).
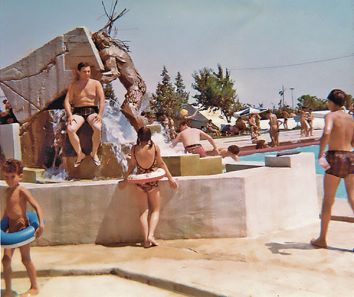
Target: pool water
(341, 193)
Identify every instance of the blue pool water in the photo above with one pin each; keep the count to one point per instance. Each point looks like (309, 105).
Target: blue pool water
(341, 193)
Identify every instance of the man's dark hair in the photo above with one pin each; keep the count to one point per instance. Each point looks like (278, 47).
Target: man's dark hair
(233, 149)
(82, 65)
(183, 123)
(338, 97)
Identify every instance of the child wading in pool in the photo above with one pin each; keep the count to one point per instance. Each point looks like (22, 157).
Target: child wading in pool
(15, 210)
(146, 157)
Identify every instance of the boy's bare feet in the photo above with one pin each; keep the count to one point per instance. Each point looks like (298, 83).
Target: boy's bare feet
(319, 243)
(30, 292)
(153, 241)
(8, 293)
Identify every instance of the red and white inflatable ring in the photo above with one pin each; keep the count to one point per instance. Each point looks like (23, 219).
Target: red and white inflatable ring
(146, 177)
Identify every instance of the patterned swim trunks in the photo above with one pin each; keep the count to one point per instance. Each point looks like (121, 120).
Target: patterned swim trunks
(341, 162)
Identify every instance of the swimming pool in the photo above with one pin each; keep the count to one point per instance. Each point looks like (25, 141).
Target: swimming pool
(341, 193)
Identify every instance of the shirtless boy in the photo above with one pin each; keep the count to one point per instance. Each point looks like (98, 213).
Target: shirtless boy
(232, 151)
(273, 128)
(190, 137)
(87, 97)
(338, 134)
(15, 210)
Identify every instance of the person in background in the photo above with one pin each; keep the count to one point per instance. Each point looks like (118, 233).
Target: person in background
(232, 151)
(273, 128)
(253, 127)
(190, 137)
(309, 119)
(7, 116)
(286, 117)
(211, 128)
(305, 127)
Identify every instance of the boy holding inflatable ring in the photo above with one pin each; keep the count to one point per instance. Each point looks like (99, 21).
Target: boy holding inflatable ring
(15, 210)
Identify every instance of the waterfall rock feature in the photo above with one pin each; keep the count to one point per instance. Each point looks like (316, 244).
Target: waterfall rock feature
(43, 76)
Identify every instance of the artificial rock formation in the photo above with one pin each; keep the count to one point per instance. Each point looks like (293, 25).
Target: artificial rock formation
(118, 64)
(44, 75)
(41, 78)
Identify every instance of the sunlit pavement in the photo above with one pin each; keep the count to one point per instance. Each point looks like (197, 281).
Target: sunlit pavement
(245, 140)
(277, 264)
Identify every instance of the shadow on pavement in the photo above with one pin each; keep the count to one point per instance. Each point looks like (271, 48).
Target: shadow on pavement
(277, 248)
(122, 244)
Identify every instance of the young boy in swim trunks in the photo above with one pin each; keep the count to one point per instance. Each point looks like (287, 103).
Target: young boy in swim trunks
(338, 162)
(15, 210)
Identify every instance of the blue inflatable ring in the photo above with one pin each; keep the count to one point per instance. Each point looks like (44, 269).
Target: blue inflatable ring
(20, 238)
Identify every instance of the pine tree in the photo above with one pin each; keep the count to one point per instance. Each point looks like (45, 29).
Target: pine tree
(165, 101)
(216, 91)
(181, 89)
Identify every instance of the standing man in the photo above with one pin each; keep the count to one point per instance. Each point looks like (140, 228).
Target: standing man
(285, 116)
(190, 138)
(87, 98)
(338, 134)
(273, 128)
(253, 127)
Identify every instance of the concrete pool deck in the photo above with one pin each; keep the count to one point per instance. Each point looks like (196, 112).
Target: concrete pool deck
(277, 264)
(245, 140)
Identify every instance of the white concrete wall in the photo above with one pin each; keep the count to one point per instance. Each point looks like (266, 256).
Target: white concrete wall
(10, 141)
(281, 198)
(235, 204)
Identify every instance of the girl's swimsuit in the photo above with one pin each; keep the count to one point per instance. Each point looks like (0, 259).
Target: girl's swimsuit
(149, 186)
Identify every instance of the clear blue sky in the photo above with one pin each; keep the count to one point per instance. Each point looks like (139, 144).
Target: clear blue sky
(187, 35)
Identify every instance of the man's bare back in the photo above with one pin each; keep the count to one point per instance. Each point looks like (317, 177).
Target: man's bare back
(190, 136)
(341, 131)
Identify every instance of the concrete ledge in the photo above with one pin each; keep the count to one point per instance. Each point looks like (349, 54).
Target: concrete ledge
(32, 175)
(193, 165)
(243, 165)
(10, 141)
(178, 166)
(235, 204)
(296, 160)
(210, 165)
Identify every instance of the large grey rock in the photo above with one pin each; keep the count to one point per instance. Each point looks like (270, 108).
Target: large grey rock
(44, 75)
